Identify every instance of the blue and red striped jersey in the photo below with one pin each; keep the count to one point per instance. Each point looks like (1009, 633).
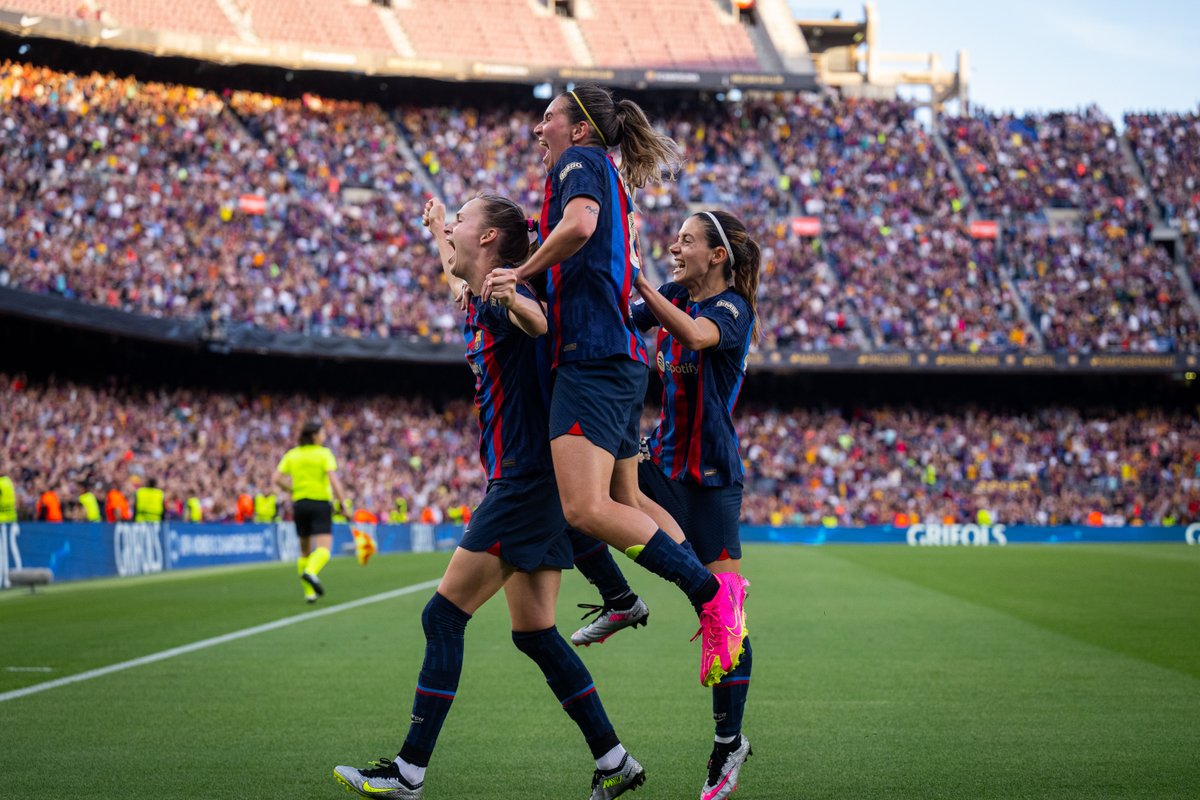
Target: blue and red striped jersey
(588, 294)
(510, 379)
(695, 440)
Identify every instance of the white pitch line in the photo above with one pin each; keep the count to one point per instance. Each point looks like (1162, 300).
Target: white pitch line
(213, 642)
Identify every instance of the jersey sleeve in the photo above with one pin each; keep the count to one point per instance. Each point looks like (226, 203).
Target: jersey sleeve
(285, 463)
(643, 318)
(330, 461)
(578, 174)
(733, 318)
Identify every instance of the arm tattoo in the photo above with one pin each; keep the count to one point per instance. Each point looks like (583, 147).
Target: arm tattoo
(593, 210)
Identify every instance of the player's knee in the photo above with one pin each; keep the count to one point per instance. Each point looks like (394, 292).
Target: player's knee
(441, 618)
(583, 513)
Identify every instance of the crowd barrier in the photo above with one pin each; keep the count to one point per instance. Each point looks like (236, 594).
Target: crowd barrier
(74, 551)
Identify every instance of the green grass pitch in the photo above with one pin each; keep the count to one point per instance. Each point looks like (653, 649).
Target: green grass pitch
(880, 672)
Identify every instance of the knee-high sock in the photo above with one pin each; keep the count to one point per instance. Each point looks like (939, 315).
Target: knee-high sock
(729, 696)
(668, 559)
(572, 684)
(437, 683)
(595, 562)
(317, 560)
(301, 565)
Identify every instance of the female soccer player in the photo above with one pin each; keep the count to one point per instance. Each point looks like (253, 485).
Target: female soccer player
(589, 251)
(517, 536)
(707, 321)
(307, 471)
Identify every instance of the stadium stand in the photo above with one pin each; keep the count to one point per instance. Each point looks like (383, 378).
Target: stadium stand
(337, 249)
(300, 214)
(318, 22)
(1168, 149)
(503, 31)
(195, 16)
(668, 34)
(859, 465)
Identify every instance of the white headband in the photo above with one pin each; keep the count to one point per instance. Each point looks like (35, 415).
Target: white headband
(721, 233)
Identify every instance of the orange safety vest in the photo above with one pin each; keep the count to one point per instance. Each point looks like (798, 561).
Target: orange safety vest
(116, 507)
(427, 515)
(245, 508)
(48, 508)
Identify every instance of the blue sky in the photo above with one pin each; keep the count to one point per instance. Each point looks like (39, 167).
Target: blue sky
(1054, 54)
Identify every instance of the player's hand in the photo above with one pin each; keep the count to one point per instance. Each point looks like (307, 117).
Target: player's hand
(642, 285)
(501, 286)
(434, 215)
(464, 299)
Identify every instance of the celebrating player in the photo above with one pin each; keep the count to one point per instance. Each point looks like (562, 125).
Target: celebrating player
(517, 537)
(694, 470)
(589, 250)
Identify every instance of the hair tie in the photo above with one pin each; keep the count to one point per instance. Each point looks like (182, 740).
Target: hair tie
(531, 225)
(721, 233)
(595, 127)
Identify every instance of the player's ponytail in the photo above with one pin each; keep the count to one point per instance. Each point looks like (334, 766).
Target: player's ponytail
(646, 154)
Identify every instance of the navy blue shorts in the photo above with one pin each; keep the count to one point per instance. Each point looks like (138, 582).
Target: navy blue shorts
(708, 514)
(521, 521)
(601, 400)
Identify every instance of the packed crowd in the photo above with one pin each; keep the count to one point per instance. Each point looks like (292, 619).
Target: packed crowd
(1103, 289)
(302, 215)
(1168, 150)
(858, 466)
(1022, 165)
(1055, 466)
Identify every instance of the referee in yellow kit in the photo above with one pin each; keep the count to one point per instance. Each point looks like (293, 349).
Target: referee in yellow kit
(307, 471)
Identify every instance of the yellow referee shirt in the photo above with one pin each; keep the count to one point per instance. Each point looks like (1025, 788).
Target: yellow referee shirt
(309, 465)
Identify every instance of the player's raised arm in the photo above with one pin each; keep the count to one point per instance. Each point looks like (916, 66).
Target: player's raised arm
(572, 232)
(434, 218)
(523, 311)
(691, 332)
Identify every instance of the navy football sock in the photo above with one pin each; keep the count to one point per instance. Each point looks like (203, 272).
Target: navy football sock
(571, 683)
(437, 683)
(594, 561)
(668, 559)
(729, 696)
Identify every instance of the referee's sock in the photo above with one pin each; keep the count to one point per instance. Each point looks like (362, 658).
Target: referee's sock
(572, 684)
(317, 560)
(301, 566)
(437, 683)
(678, 563)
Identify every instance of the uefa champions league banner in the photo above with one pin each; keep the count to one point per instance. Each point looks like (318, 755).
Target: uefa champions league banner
(74, 551)
(78, 550)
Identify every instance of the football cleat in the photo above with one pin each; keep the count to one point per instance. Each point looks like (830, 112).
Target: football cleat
(723, 628)
(608, 621)
(723, 767)
(313, 582)
(615, 782)
(381, 779)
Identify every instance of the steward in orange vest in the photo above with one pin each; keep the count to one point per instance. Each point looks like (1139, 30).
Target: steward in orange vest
(48, 508)
(116, 507)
